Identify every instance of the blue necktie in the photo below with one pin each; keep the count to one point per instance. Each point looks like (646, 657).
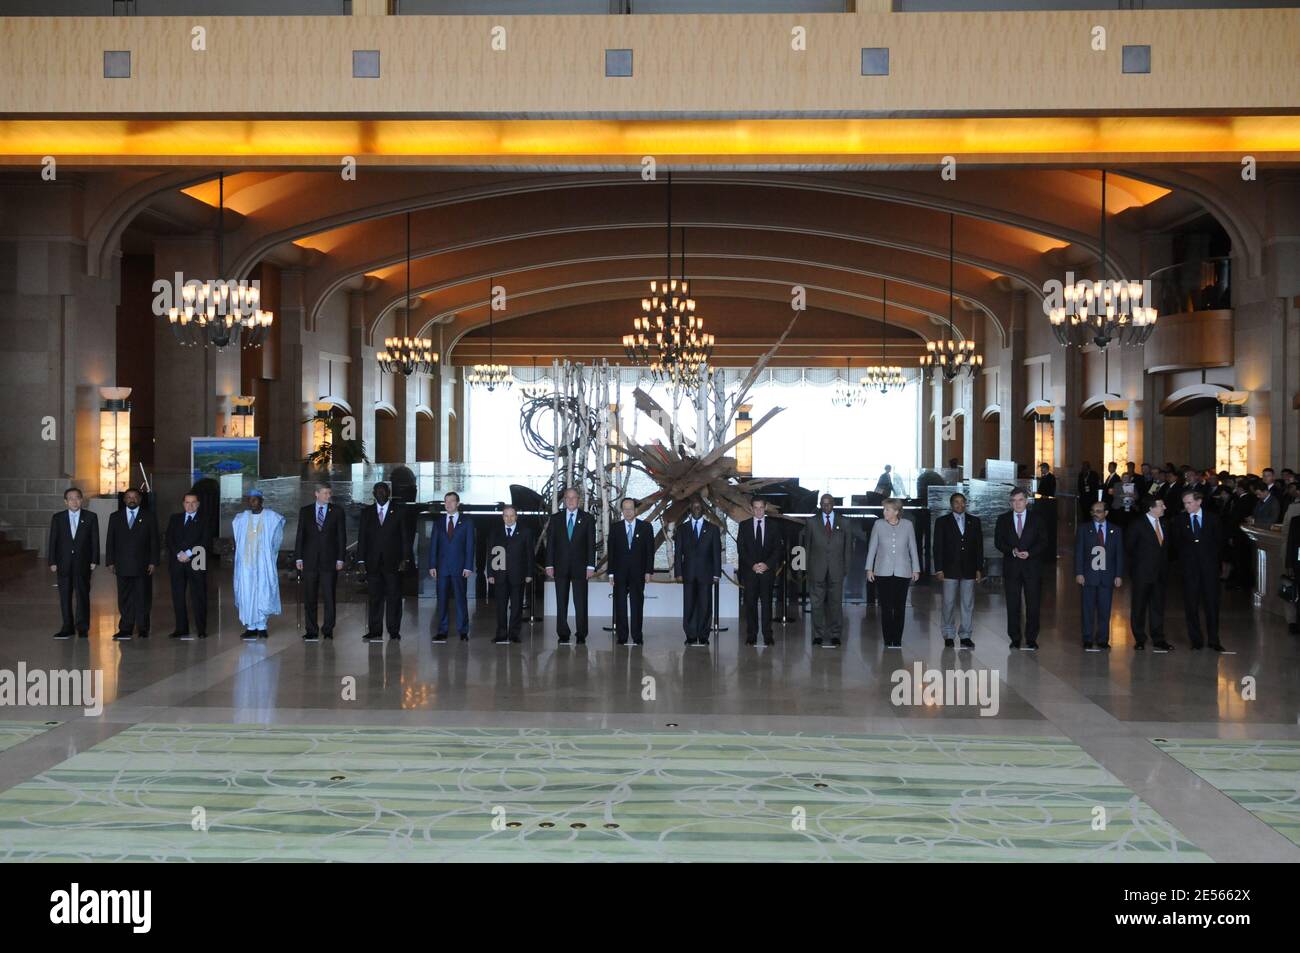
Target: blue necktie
(320, 517)
(130, 519)
(630, 527)
(570, 526)
(1196, 525)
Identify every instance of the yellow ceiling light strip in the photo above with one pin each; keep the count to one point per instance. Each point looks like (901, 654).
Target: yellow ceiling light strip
(1015, 139)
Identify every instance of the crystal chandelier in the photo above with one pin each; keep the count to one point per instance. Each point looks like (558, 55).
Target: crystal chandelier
(1099, 312)
(220, 312)
(407, 355)
(847, 394)
(883, 377)
(668, 337)
(490, 375)
(949, 357)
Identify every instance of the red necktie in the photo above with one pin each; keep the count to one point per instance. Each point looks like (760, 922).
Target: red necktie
(829, 529)
(451, 527)
(1101, 536)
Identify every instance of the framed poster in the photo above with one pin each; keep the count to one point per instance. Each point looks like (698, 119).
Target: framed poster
(217, 457)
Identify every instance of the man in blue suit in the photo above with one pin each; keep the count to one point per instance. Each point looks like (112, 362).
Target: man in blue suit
(1098, 568)
(451, 563)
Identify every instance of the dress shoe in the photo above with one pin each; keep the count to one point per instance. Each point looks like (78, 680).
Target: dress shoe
(1015, 644)
(817, 642)
(768, 640)
(144, 633)
(563, 639)
(514, 638)
(310, 637)
(751, 641)
(83, 635)
(835, 643)
(703, 642)
(121, 636)
(248, 635)
(689, 641)
(1161, 646)
(394, 636)
(893, 645)
(634, 641)
(947, 643)
(1031, 646)
(178, 634)
(501, 640)
(1104, 646)
(1089, 647)
(372, 637)
(968, 643)
(328, 635)
(622, 642)
(1139, 646)
(263, 634)
(440, 637)
(1217, 647)
(204, 635)
(464, 636)
(63, 635)
(582, 640)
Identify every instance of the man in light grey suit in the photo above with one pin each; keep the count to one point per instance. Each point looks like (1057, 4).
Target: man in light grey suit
(827, 543)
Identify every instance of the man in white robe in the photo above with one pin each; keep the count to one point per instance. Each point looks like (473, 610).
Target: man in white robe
(258, 533)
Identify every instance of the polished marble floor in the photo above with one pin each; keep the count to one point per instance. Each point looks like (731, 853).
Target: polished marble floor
(1138, 725)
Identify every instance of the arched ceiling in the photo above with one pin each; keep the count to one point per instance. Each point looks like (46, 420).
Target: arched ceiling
(580, 247)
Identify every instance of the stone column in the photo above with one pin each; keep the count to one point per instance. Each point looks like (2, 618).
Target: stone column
(362, 372)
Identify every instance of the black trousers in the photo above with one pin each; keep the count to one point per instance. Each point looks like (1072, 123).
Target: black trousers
(318, 584)
(510, 601)
(563, 584)
(75, 585)
(1147, 610)
(697, 607)
(1026, 587)
(134, 601)
(384, 589)
(629, 591)
(758, 592)
(893, 606)
(196, 581)
(1201, 594)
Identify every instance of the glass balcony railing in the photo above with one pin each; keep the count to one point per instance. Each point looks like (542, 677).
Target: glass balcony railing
(1200, 285)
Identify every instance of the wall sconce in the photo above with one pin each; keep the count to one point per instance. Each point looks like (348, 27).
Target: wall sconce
(241, 418)
(745, 448)
(114, 440)
(1233, 429)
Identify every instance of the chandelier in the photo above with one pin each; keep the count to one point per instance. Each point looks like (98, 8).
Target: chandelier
(949, 357)
(668, 337)
(537, 387)
(490, 375)
(220, 312)
(407, 355)
(883, 377)
(847, 394)
(1099, 312)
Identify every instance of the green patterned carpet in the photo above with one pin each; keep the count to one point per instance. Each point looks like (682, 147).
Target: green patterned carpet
(250, 793)
(16, 732)
(1261, 776)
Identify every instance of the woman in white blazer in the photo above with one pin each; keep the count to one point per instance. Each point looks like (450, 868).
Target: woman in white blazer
(892, 563)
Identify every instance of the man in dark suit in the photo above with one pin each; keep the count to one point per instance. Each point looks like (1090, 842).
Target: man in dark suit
(1099, 569)
(72, 552)
(384, 547)
(1021, 538)
(697, 564)
(1291, 560)
(451, 563)
(131, 551)
(631, 561)
(1198, 547)
(510, 560)
(828, 548)
(1046, 481)
(188, 545)
(571, 562)
(1147, 561)
(758, 548)
(959, 565)
(318, 552)
(1089, 484)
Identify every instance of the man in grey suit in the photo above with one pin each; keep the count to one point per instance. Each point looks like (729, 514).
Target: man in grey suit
(959, 565)
(827, 543)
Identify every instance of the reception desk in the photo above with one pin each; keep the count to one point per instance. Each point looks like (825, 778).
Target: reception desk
(1267, 565)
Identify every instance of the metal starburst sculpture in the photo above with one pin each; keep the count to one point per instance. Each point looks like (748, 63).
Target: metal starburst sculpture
(681, 474)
